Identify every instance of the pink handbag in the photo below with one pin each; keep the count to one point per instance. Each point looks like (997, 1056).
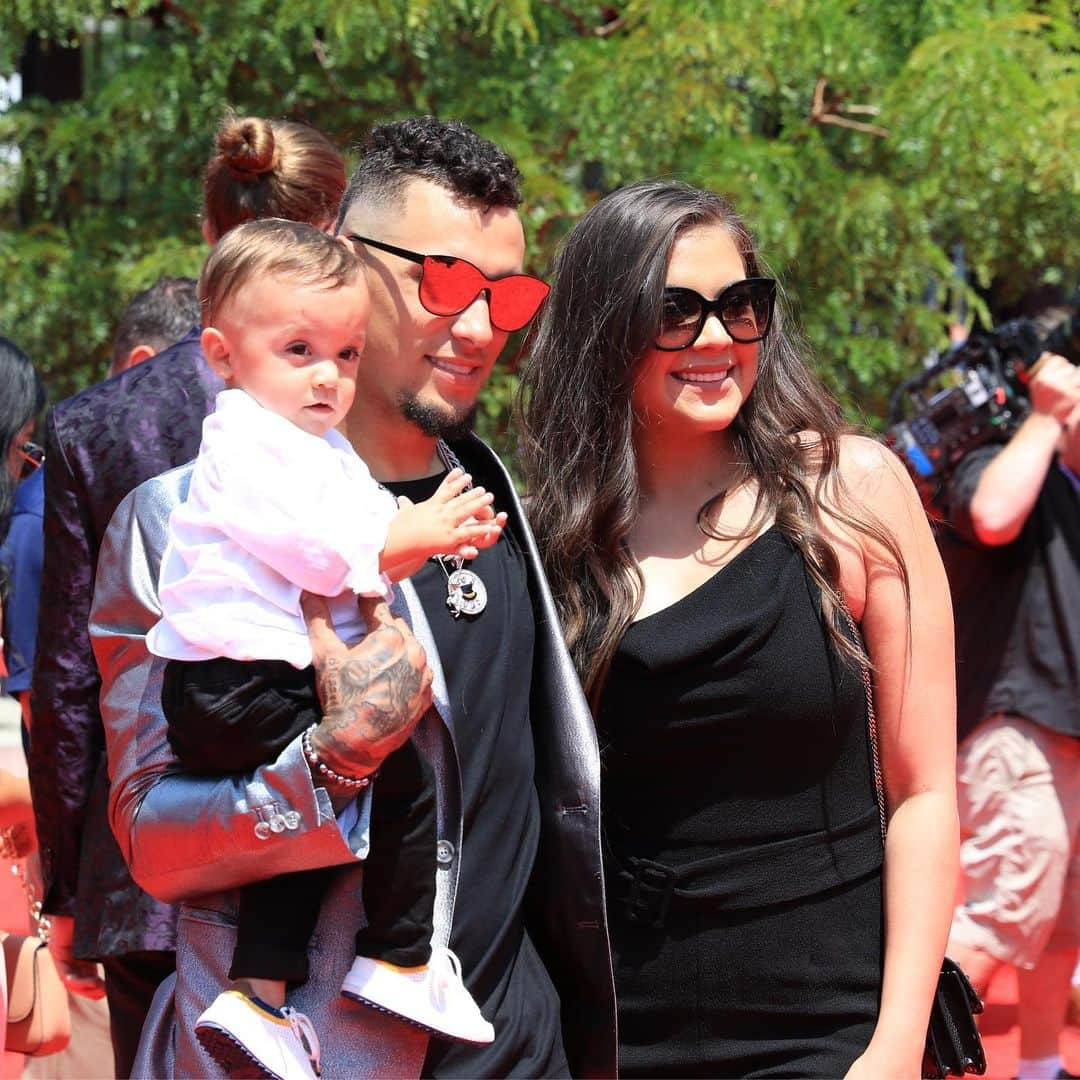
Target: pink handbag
(38, 1019)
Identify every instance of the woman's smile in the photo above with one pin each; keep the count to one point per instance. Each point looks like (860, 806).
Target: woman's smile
(703, 376)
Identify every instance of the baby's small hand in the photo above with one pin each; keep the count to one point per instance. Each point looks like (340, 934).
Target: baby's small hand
(456, 520)
(453, 483)
(463, 512)
(493, 525)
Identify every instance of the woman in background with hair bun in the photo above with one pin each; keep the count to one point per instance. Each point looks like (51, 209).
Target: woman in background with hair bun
(270, 168)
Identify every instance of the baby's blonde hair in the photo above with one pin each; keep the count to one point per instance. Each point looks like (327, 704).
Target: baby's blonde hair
(272, 247)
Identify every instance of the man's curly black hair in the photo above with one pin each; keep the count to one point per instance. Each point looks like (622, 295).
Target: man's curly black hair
(446, 152)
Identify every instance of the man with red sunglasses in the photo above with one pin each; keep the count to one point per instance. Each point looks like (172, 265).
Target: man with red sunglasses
(432, 211)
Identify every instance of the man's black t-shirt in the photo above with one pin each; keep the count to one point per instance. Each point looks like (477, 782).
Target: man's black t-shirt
(487, 661)
(1017, 606)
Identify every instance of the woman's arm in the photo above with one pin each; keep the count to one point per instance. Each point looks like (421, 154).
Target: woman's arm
(915, 704)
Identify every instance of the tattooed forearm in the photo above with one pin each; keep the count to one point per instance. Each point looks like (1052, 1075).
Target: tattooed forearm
(372, 696)
(388, 700)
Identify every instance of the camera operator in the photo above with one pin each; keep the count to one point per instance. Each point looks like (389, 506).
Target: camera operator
(1014, 567)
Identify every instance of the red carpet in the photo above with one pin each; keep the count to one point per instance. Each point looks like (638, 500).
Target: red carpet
(1001, 1035)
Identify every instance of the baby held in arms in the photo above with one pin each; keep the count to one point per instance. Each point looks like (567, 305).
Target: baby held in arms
(280, 504)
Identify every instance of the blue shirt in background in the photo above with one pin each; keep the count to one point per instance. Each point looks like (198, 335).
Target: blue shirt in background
(22, 555)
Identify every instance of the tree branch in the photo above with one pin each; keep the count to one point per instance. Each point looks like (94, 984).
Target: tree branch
(318, 48)
(826, 113)
(855, 125)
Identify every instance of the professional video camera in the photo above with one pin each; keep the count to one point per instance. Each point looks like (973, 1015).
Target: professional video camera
(975, 394)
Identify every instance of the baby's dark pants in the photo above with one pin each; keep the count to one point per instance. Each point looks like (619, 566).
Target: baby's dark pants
(228, 717)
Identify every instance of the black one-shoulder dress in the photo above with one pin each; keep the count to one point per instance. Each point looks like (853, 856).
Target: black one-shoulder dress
(741, 826)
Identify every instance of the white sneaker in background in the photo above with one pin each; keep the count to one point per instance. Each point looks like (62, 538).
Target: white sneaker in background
(431, 997)
(254, 1041)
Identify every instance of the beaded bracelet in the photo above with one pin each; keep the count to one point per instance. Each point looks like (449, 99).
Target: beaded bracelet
(325, 770)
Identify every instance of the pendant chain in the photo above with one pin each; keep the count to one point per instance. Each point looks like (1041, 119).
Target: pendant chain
(465, 591)
(451, 461)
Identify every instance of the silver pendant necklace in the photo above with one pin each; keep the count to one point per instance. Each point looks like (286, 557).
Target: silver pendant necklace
(466, 593)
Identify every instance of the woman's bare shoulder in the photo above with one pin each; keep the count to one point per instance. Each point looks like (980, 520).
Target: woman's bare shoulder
(873, 474)
(859, 458)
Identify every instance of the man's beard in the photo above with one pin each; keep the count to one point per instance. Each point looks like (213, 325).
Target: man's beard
(438, 422)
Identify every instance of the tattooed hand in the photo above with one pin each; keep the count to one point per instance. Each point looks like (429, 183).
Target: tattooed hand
(372, 694)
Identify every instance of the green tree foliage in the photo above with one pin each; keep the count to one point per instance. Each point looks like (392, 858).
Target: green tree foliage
(863, 139)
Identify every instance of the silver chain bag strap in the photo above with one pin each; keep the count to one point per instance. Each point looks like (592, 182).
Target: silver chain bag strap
(953, 1044)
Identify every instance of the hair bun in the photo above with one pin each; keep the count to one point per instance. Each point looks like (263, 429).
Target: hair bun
(246, 146)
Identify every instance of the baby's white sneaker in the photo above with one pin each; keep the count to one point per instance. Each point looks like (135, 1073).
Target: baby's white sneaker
(251, 1039)
(431, 997)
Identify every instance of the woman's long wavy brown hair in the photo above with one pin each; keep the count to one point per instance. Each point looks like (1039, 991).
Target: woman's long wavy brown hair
(577, 421)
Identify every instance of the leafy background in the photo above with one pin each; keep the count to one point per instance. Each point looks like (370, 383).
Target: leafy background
(864, 140)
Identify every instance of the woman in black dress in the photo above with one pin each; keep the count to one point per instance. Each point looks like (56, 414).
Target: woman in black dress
(726, 560)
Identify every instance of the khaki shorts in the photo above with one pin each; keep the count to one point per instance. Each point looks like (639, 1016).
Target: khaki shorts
(1019, 795)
